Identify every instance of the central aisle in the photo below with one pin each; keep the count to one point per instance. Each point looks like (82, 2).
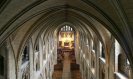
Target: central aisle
(66, 67)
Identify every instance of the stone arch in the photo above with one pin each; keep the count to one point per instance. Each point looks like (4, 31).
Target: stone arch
(93, 6)
(7, 61)
(12, 65)
(24, 62)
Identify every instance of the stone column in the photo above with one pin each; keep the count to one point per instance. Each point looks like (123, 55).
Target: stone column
(31, 52)
(41, 53)
(112, 62)
(97, 59)
(130, 73)
(11, 62)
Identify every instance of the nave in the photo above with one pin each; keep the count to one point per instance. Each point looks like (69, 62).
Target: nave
(36, 36)
(68, 55)
(68, 72)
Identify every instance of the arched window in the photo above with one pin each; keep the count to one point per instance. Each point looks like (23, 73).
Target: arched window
(1, 65)
(37, 47)
(120, 62)
(25, 56)
(102, 52)
(66, 37)
(66, 28)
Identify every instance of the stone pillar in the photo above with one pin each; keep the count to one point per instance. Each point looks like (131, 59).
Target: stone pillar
(106, 70)
(18, 70)
(31, 52)
(41, 53)
(97, 59)
(112, 62)
(11, 62)
(55, 51)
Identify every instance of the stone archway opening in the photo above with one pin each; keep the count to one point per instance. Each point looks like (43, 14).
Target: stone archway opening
(66, 67)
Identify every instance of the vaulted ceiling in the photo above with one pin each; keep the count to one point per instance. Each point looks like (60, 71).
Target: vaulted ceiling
(20, 19)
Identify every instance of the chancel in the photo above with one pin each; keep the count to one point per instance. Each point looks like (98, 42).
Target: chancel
(66, 39)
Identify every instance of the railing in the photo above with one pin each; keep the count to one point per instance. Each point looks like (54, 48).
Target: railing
(120, 76)
(102, 60)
